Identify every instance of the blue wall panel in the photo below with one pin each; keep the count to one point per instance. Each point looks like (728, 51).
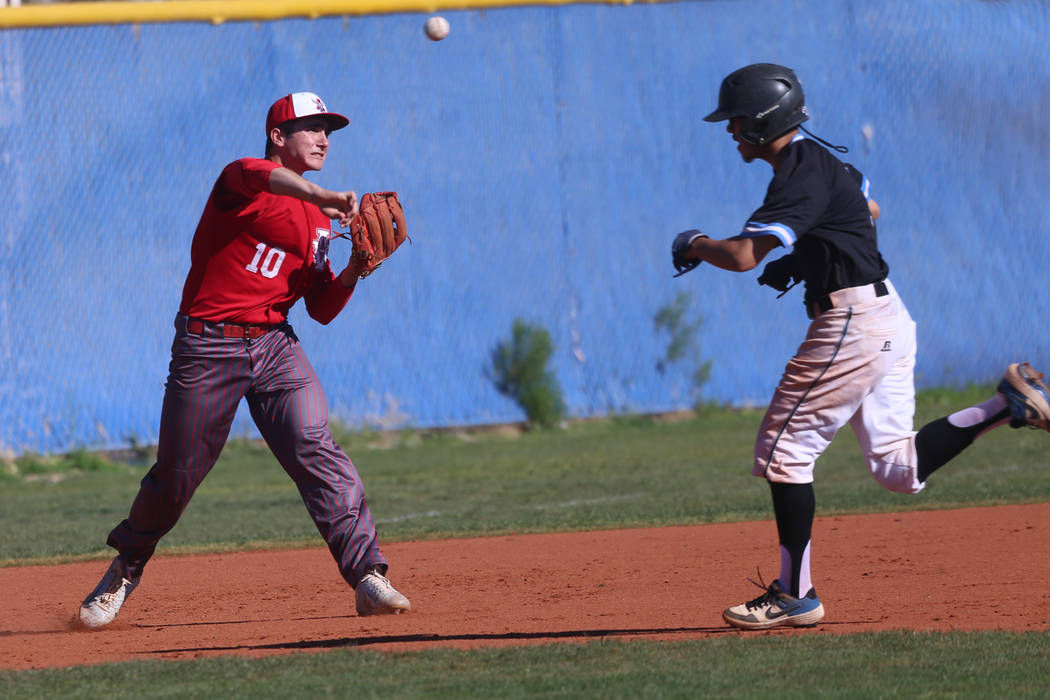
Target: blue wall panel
(546, 157)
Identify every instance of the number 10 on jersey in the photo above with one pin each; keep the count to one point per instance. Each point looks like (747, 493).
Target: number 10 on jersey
(266, 263)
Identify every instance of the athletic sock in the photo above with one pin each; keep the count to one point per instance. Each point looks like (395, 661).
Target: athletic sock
(941, 440)
(794, 506)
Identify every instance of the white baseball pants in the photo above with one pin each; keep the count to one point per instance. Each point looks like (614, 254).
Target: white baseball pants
(856, 365)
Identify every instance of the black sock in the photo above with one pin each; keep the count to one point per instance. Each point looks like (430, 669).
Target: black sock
(794, 506)
(939, 441)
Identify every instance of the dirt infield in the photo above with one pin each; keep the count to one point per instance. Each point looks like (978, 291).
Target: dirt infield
(971, 569)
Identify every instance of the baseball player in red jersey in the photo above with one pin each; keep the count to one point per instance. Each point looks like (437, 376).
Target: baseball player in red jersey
(856, 364)
(260, 246)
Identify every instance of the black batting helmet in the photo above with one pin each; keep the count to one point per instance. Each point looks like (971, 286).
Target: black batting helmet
(769, 98)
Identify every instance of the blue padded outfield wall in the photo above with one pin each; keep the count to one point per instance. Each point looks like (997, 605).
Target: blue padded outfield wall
(546, 157)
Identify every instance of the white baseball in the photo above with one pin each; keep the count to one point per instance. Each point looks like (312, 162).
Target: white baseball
(436, 28)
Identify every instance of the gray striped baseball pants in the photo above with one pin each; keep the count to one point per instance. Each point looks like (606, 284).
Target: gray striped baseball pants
(208, 375)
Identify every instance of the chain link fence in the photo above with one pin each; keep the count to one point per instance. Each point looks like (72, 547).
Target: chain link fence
(546, 158)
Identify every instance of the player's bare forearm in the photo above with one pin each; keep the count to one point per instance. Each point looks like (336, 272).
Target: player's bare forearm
(733, 254)
(339, 206)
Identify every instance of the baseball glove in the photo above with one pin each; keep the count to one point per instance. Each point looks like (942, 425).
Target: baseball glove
(377, 230)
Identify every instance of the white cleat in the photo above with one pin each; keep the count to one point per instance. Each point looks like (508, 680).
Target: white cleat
(375, 596)
(775, 608)
(102, 605)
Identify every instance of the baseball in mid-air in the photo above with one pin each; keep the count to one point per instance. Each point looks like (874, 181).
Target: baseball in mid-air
(436, 28)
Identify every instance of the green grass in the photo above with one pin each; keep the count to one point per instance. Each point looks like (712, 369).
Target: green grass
(621, 472)
(889, 664)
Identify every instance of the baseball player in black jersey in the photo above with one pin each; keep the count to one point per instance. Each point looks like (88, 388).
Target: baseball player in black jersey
(856, 364)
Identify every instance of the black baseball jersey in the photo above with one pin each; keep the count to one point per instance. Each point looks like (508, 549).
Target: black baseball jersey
(819, 205)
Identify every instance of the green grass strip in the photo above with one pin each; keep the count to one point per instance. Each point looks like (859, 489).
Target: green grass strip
(877, 665)
(620, 472)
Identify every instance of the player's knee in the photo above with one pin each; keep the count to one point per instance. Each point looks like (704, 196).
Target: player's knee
(783, 473)
(899, 478)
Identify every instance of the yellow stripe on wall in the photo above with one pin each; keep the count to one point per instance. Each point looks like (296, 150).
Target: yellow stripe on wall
(219, 11)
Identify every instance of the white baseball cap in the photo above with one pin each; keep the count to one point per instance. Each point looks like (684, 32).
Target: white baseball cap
(302, 104)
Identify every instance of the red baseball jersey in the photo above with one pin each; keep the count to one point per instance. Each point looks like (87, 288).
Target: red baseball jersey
(255, 254)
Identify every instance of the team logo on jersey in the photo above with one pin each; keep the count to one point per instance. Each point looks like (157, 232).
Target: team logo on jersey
(321, 248)
(886, 346)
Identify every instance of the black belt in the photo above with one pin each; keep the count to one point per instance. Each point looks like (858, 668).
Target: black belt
(228, 329)
(825, 303)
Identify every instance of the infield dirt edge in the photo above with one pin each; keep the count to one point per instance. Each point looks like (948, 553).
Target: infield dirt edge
(965, 569)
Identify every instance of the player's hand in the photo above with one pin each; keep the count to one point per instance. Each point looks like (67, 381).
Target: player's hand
(781, 274)
(681, 248)
(341, 207)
